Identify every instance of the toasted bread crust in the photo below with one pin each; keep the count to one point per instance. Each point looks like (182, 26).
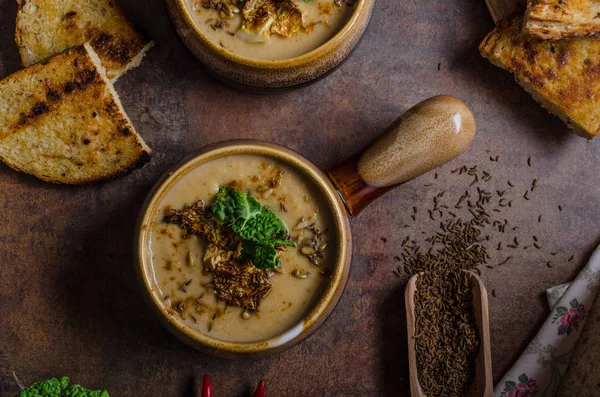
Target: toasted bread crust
(563, 76)
(61, 121)
(47, 27)
(558, 19)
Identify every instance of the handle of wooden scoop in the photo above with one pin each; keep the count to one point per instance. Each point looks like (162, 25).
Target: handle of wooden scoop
(426, 136)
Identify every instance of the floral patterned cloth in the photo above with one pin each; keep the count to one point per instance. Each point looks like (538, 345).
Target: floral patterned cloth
(539, 369)
(553, 294)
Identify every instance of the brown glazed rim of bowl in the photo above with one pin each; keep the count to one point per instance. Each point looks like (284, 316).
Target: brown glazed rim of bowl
(321, 309)
(324, 49)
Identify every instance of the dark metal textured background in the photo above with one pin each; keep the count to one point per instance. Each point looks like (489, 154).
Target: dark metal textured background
(69, 300)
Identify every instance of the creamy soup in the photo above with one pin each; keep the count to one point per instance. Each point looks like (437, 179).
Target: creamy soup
(180, 271)
(322, 19)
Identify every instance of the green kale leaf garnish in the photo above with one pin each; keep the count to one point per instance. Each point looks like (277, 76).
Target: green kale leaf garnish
(263, 226)
(60, 388)
(264, 254)
(234, 207)
(246, 216)
(261, 230)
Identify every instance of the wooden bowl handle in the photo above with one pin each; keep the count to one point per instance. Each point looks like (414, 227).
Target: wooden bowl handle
(426, 136)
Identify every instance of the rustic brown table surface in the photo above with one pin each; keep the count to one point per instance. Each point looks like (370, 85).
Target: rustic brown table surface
(69, 299)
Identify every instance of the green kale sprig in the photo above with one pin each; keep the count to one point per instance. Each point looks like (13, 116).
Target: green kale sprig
(246, 216)
(261, 230)
(234, 207)
(264, 226)
(264, 254)
(60, 388)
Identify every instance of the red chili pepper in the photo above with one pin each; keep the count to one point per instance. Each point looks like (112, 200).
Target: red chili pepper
(206, 387)
(260, 391)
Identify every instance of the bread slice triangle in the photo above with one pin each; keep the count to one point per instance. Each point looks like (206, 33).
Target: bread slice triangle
(558, 19)
(563, 76)
(62, 121)
(48, 27)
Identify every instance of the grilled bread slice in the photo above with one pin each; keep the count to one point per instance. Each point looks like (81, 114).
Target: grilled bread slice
(557, 19)
(48, 27)
(563, 76)
(61, 121)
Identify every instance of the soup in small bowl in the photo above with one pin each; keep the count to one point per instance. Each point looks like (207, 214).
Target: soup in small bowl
(241, 251)
(270, 43)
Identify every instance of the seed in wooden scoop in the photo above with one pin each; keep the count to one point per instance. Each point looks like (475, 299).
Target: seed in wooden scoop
(428, 135)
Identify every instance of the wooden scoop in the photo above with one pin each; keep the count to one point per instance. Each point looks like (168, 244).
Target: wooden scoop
(483, 384)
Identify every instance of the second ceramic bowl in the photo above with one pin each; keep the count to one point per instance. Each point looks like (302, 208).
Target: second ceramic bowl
(256, 74)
